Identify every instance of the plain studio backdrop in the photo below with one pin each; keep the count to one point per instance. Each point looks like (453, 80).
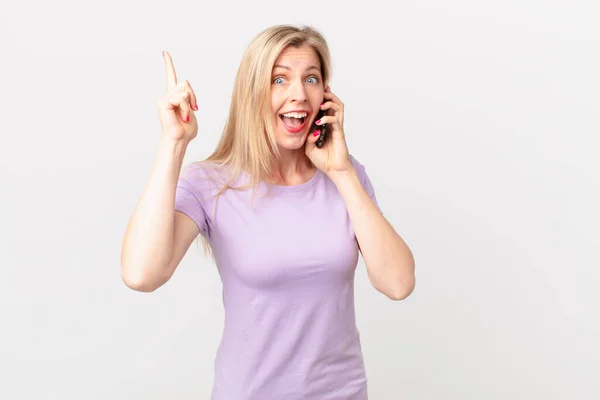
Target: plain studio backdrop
(478, 124)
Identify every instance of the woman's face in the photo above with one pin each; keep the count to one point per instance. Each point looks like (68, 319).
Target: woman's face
(296, 88)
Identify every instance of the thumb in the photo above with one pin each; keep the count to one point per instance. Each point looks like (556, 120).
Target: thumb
(312, 139)
(314, 136)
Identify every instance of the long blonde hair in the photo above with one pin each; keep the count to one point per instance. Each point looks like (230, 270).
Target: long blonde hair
(248, 141)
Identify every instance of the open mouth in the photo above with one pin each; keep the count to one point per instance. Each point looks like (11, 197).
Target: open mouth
(294, 121)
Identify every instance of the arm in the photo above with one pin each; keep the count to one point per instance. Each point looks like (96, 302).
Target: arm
(390, 263)
(157, 237)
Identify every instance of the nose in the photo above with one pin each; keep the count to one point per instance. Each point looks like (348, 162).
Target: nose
(297, 92)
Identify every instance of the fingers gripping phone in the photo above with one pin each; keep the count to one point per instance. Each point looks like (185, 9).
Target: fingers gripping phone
(323, 135)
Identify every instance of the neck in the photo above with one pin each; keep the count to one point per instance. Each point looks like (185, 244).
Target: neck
(292, 168)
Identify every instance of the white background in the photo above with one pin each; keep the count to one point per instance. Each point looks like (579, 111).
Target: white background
(477, 123)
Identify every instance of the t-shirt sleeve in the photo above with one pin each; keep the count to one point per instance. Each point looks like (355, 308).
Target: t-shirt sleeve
(189, 199)
(365, 181)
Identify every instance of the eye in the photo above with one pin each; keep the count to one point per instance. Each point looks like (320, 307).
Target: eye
(314, 78)
(278, 80)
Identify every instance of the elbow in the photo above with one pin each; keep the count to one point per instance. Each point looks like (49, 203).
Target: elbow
(401, 289)
(138, 281)
(401, 292)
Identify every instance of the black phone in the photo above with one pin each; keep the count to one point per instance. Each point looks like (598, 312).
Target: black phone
(323, 129)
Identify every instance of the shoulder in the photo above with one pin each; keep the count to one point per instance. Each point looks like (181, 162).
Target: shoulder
(359, 167)
(363, 177)
(202, 178)
(200, 170)
(203, 174)
(355, 162)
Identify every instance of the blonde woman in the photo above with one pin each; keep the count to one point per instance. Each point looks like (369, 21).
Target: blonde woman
(283, 219)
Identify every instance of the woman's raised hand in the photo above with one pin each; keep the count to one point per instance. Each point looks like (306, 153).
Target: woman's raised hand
(176, 107)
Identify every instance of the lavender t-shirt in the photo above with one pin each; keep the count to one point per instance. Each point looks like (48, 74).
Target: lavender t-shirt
(287, 266)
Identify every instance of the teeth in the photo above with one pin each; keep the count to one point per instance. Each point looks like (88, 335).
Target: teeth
(295, 115)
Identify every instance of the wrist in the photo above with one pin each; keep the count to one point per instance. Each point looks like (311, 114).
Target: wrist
(340, 177)
(174, 147)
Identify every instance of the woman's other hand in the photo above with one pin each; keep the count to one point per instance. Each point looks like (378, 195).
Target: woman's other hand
(176, 107)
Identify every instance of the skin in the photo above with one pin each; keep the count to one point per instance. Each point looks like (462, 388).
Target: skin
(296, 84)
(299, 86)
(157, 237)
(389, 261)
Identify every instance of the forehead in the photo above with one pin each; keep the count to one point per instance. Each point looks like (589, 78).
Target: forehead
(298, 57)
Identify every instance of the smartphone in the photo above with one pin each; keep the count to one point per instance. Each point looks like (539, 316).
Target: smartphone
(323, 129)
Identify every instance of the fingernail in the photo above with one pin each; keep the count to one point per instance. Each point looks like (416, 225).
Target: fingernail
(318, 122)
(317, 133)
(196, 107)
(187, 119)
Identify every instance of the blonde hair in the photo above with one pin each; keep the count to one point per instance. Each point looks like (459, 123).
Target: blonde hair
(248, 141)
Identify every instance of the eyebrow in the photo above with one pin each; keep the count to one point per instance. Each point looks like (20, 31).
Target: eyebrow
(288, 68)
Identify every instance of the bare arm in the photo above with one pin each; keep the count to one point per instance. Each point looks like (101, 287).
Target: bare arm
(389, 261)
(155, 229)
(157, 237)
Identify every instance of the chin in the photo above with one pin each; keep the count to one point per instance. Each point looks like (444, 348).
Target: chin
(292, 143)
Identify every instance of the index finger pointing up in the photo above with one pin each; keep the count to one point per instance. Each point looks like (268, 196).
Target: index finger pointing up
(171, 76)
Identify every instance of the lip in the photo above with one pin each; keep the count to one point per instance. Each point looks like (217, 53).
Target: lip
(301, 127)
(295, 130)
(300, 111)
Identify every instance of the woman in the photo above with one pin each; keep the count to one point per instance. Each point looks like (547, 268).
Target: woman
(286, 258)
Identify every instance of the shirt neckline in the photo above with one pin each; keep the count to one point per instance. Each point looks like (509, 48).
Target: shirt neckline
(296, 188)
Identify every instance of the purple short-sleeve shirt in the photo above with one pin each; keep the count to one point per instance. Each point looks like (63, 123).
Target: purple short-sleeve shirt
(287, 265)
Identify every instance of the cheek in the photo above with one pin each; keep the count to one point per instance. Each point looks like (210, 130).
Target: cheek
(317, 98)
(276, 100)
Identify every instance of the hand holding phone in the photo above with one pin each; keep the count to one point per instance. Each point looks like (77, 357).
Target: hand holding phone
(323, 128)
